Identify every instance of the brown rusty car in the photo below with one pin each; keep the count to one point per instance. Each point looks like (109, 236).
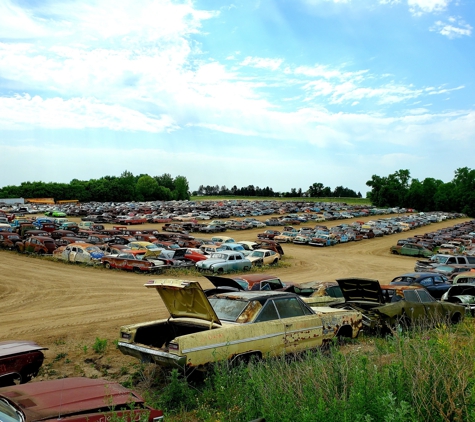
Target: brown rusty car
(8, 240)
(40, 245)
(76, 400)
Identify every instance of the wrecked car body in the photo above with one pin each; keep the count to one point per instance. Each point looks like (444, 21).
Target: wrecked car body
(231, 326)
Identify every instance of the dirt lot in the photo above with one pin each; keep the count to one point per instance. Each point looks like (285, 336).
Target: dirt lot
(66, 307)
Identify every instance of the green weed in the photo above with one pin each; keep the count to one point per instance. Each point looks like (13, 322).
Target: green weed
(100, 345)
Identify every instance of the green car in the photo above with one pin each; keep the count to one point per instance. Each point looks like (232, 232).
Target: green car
(411, 249)
(55, 213)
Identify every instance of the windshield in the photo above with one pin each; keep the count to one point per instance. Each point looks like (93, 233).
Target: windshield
(8, 413)
(93, 249)
(217, 256)
(257, 254)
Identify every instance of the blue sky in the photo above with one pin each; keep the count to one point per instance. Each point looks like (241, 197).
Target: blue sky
(278, 93)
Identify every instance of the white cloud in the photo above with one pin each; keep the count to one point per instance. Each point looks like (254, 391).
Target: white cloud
(22, 112)
(263, 63)
(419, 7)
(455, 28)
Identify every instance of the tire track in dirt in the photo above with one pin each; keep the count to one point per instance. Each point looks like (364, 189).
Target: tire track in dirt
(43, 300)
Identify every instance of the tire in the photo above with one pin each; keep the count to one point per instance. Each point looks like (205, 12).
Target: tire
(220, 271)
(136, 270)
(41, 252)
(246, 268)
(107, 265)
(456, 318)
(275, 262)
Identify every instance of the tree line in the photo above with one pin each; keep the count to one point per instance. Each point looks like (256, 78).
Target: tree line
(317, 190)
(125, 188)
(399, 190)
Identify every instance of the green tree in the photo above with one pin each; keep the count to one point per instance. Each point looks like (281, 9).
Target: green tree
(315, 190)
(146, 188)
(166, 180)
(182, 190)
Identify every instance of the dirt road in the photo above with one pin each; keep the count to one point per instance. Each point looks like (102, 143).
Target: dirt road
(66, 307)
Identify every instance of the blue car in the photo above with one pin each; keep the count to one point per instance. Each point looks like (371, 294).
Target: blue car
(436, 284)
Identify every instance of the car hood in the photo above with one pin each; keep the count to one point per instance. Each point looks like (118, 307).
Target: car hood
(224, 282)
(8, 348)
(179, 253)
(361, 290)
(184, 299)
(60, 398)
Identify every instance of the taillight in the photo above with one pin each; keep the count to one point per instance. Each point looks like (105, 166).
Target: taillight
(173, 346)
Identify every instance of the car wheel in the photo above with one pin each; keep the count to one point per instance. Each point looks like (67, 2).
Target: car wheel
(456, 318)
(107, 265)
(220, 271)
(275, 262)
(246, 268)
(136, 270)
(41, 252)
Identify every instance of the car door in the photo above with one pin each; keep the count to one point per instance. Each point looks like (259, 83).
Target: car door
(73, 250)
(433, 309)
(413, 308)
(440, 286)
(301, 330)
(81, 256)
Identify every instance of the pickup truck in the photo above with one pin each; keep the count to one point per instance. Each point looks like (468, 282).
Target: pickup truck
(231, 326)
(443, 259)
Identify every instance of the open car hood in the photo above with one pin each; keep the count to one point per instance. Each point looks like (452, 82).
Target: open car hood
(179, 253)
(224, 282)
(361, 290)
(184, 299)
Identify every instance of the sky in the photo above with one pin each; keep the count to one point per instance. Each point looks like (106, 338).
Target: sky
(277, 93)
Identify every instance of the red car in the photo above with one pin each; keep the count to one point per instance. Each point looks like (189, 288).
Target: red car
(74, 400)
(19, 361)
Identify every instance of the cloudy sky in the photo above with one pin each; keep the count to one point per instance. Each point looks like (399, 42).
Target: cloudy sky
(278, 93)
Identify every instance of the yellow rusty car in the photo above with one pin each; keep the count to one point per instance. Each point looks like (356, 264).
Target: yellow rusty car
(231, 326)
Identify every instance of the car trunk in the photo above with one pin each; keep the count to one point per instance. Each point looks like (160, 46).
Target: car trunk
(159, 335)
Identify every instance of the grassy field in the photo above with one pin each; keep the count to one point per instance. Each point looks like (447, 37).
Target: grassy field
(420, 375)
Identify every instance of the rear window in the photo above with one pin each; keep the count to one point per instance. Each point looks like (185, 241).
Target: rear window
(411, 296)
(227, 309)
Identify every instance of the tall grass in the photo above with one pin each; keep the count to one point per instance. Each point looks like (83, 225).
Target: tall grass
(413, 376)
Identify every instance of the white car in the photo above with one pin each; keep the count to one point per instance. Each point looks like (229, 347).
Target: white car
(263, 257)
(79, 252)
